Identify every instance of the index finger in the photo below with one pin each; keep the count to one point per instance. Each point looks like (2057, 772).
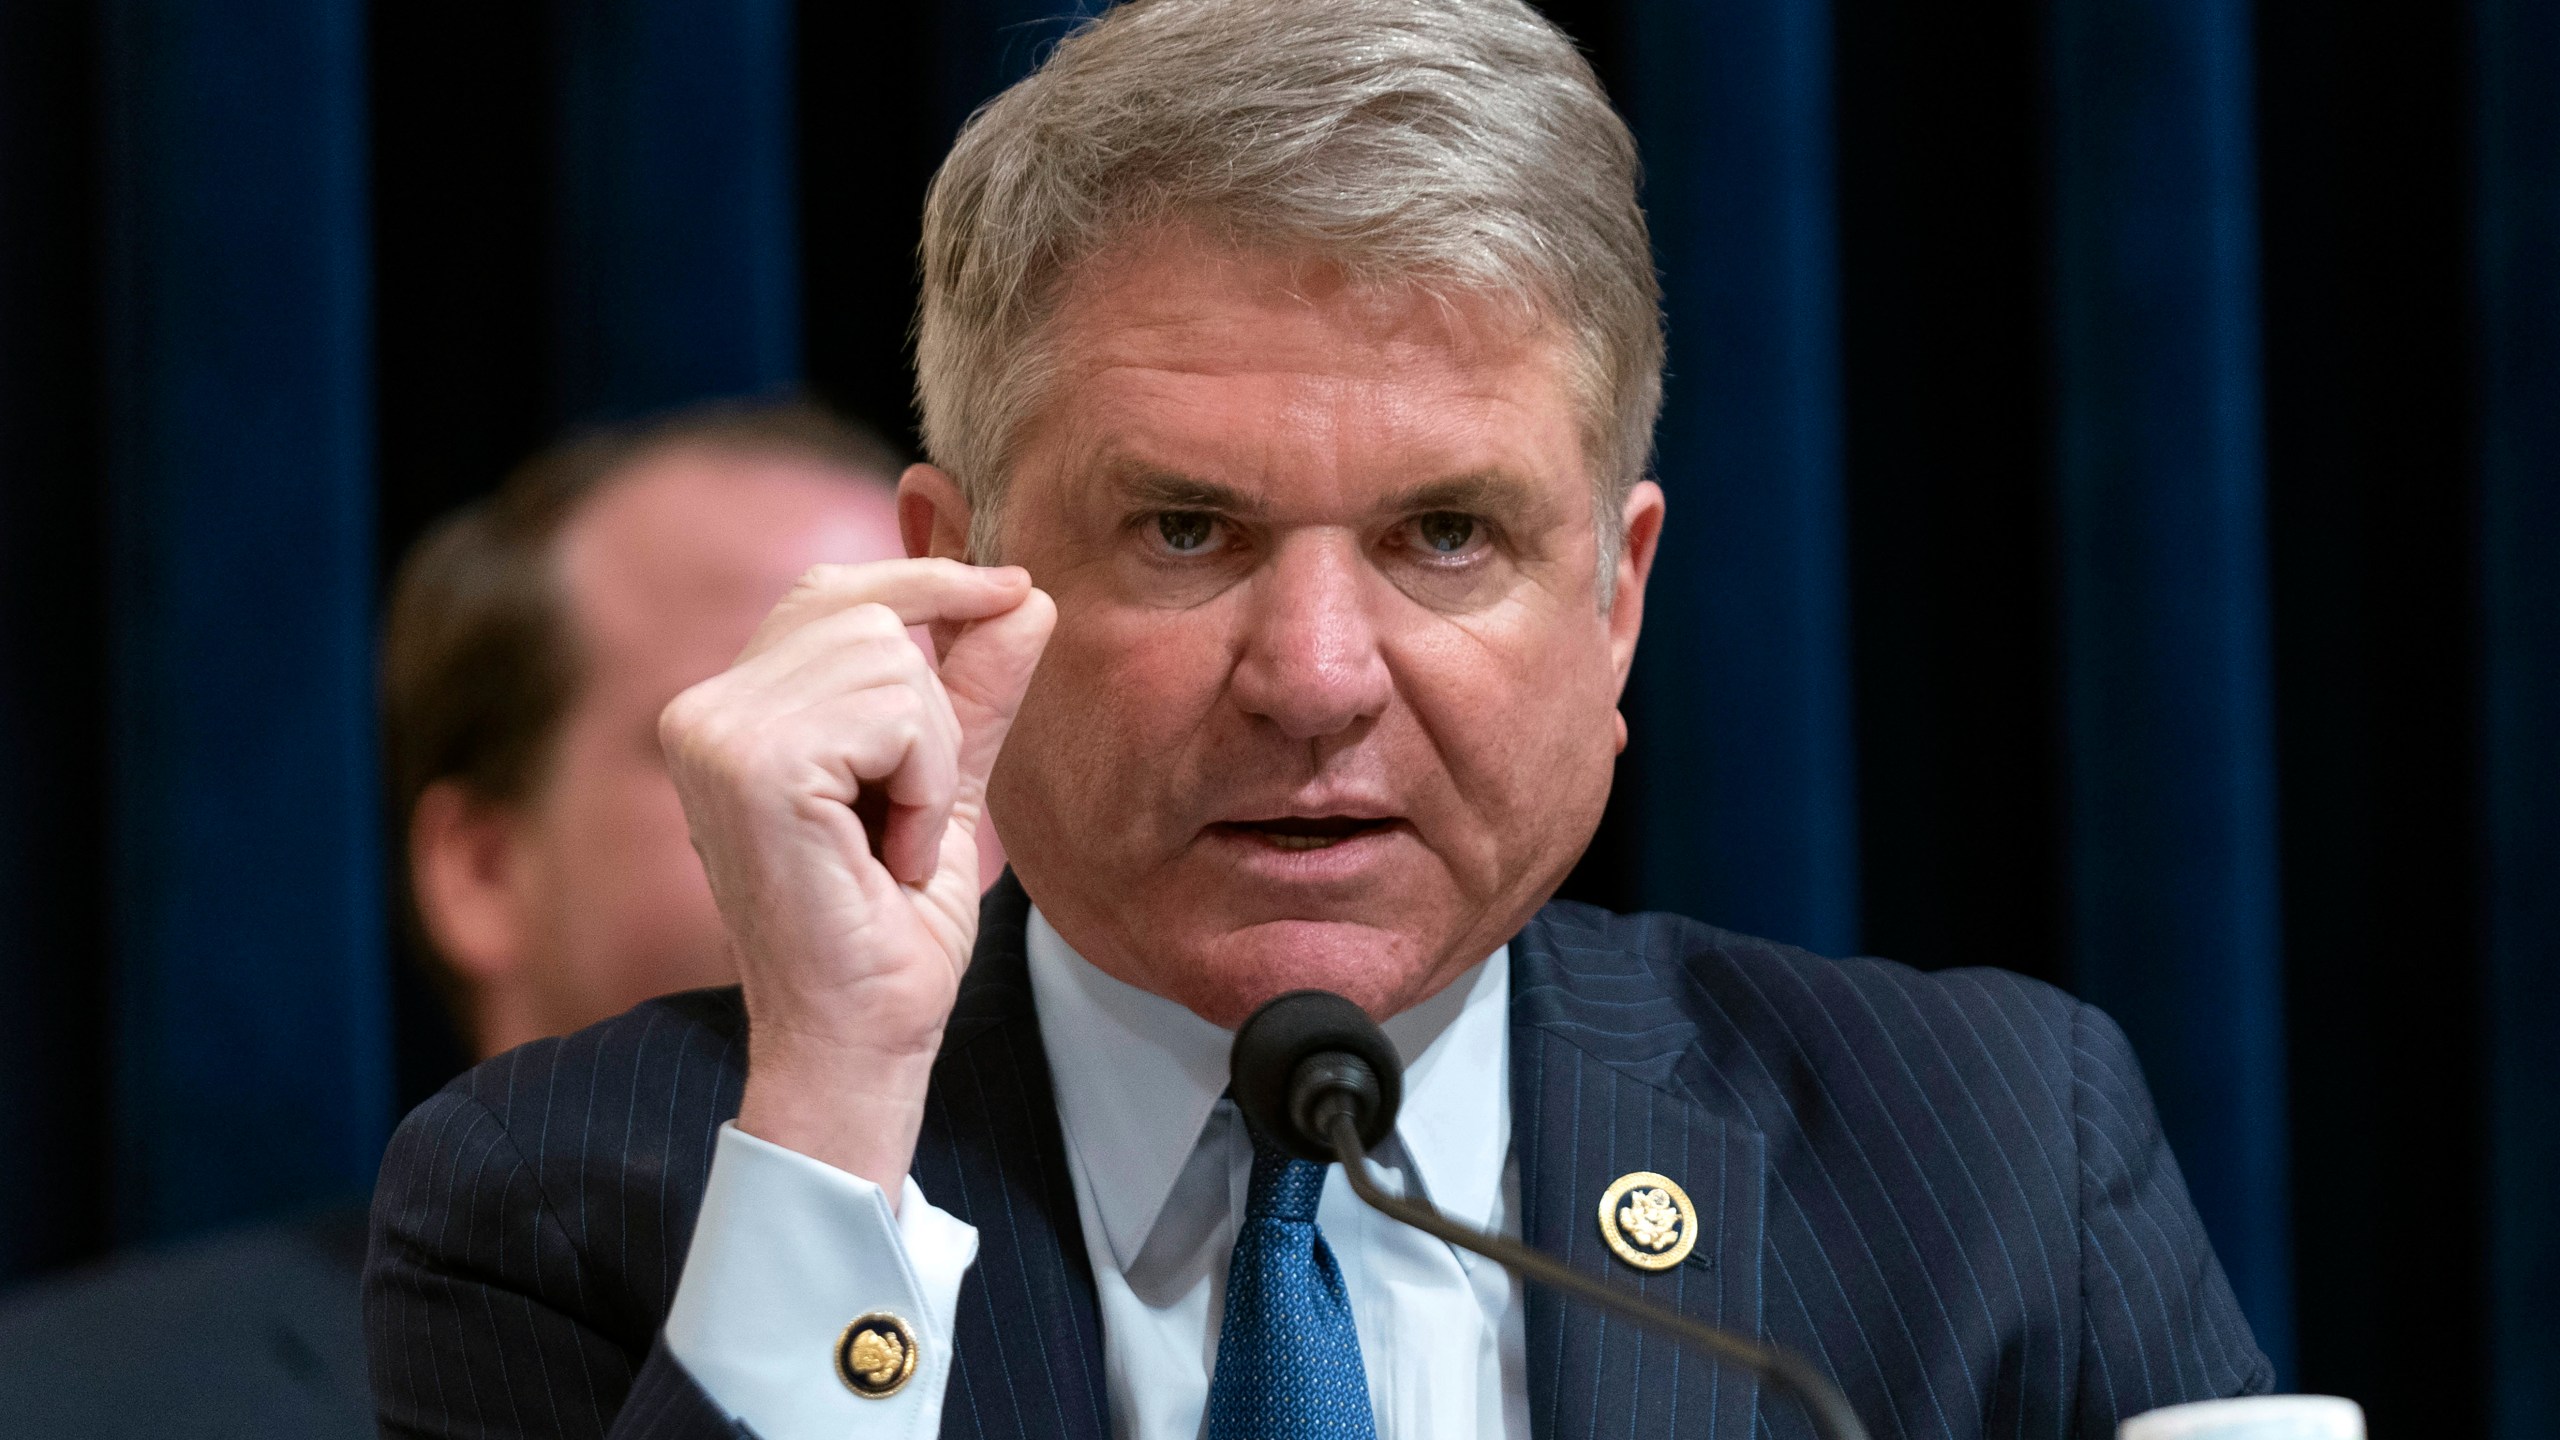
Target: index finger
(922, 592)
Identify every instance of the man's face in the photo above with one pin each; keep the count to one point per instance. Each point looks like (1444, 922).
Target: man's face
(1332, 696)
(666, 574)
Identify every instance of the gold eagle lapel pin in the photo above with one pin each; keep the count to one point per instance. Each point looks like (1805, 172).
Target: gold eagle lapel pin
(1648, 1220)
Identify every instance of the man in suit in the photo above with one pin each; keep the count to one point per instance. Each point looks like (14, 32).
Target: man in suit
(531, 642)
(1288, 373)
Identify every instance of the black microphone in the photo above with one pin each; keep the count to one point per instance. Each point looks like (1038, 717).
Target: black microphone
(1312, 1072)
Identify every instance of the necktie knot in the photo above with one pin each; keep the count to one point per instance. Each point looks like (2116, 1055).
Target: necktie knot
(1283, 1186)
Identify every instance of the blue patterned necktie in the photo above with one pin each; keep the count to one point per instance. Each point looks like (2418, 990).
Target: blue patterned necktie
(1288, 1358)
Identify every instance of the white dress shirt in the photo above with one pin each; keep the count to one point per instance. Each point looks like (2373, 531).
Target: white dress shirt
(787, 1250)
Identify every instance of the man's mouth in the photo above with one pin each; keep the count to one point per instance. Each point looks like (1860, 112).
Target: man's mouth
(1303, 832)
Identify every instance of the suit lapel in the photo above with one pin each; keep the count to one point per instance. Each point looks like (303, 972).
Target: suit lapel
(1597, 1048)
(1028, 1334)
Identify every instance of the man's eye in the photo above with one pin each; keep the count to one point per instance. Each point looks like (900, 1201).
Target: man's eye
(1185, 531)
(1445, 532)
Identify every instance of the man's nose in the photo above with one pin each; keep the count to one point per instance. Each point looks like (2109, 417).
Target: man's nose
(1311, 663)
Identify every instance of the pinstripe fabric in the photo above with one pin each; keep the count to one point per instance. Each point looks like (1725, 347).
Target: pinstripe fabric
(532, 1219)
(1949, 1190)
(1028, 1333)
(529, 1226)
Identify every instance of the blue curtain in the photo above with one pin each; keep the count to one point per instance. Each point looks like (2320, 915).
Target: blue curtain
(677, 256)
(252, 1064)
(2167, 682)
(251, 1070)
(1745, 783)
(2518, 60)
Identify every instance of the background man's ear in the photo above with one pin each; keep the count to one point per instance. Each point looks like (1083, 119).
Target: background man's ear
(933, 516)
(462, 861)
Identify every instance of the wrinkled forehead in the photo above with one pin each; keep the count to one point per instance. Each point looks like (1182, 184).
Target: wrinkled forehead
(1185, 356)
(1184, 292)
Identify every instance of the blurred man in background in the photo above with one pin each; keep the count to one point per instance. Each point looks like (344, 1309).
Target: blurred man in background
(530, 647)
(531, 641)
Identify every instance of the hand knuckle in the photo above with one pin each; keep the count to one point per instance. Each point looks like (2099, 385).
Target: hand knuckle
(876, 618)
(901, 706)
(714, 741)
(685, 717)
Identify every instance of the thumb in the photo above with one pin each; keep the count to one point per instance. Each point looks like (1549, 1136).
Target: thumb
(985, 672)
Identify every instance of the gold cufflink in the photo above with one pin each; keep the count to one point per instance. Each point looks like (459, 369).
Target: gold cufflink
(1648, 1221)
(876, 1356)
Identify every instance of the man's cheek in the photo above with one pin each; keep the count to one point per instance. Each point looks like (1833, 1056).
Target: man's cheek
(1515, 748)
(1083, 748)
(1160, 687)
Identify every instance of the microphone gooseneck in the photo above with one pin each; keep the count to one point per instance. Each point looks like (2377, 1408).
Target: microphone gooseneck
(1313, 1072)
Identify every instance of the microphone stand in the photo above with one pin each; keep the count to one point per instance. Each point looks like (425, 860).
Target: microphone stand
(1829, 1408)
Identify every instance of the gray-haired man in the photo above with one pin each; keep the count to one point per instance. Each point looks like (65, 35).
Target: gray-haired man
(1288, 371)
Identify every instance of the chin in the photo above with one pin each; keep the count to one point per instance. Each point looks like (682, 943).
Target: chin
(1385, 972)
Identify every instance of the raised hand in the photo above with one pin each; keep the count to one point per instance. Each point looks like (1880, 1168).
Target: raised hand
(834, 780)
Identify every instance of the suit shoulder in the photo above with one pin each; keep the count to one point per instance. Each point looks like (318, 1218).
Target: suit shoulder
(651, 1052)
(578, 1161)
(1670, 945)
(623, 1105)
(1783, 1006)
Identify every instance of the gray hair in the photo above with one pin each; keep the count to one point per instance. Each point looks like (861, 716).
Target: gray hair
(1460, 145)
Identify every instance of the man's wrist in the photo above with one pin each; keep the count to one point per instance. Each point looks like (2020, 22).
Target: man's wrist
(853, 1108)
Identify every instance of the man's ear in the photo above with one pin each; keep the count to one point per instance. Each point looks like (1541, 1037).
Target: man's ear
(1641, 534)
(462, 863)
(933, 516)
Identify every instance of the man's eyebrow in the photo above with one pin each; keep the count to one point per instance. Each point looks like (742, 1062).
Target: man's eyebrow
(1155, 489)
(1484, 492)
(1494, 493)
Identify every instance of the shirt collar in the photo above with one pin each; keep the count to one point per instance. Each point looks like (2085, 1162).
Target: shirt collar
(1138, 1075)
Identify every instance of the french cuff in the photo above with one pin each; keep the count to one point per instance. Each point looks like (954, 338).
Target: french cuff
(807, 1309)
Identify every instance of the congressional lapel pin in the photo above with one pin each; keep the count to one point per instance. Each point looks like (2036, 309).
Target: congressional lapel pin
(1648, 1220)
(876, 1356)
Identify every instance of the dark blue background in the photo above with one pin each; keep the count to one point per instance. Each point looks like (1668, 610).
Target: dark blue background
(2114, 454)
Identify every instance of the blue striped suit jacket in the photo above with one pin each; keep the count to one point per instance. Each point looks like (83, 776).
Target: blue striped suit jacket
(1949, 1190)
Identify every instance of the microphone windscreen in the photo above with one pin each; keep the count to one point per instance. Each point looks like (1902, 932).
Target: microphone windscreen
(1287, 1032)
